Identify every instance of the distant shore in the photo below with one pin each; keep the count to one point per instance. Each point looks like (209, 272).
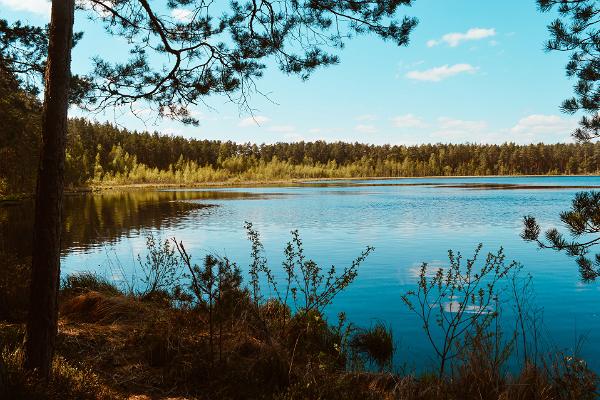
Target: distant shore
(14, 199)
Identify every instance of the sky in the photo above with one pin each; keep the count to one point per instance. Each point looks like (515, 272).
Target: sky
(474, 71)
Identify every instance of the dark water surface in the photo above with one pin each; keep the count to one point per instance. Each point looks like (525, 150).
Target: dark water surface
(408, 221)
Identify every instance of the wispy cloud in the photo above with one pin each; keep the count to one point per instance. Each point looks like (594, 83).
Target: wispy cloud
(365, 128)
(440, 73)
(408, 121)
(451, 125)
(254, 120)
(41, 7)
(455, 38)
(367, 117)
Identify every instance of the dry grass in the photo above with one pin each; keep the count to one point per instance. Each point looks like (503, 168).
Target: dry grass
(95, 307)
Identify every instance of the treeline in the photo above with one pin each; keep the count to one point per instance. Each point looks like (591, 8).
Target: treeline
(105, 154)
(102, 153)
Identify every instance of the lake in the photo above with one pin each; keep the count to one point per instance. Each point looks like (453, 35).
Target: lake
(408, 221)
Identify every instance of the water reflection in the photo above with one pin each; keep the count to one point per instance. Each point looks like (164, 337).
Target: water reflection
(94, 219)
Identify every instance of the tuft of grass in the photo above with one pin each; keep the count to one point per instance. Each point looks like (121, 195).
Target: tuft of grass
(96, 307)
(376, 344)
(83, 282)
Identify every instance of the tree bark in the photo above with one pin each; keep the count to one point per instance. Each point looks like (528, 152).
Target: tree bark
(42, 321)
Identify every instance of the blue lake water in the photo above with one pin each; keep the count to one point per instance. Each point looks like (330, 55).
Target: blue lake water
(408, 221)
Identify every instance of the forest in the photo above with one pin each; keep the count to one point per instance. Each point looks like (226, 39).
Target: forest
(103, 154)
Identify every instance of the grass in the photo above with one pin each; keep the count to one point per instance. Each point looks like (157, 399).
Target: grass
(87, 282)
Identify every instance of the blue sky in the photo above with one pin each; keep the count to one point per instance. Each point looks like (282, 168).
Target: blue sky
(475, 71)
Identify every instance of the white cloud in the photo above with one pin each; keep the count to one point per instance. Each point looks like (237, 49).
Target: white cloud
(365, 128)
(33, 6)
(282, 128)
(103, 12)
(408, 121)
(181, 14)
(367, 117)
(254, 120)
(543, 124)
(455, 38)
(451, 125)
(439, 73)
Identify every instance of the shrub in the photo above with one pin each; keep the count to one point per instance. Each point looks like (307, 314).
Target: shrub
(216, 287)
(307, 285)
(457, 300)
(160, 268)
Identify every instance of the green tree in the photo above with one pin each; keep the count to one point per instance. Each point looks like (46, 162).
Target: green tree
(576, 32)
(20, 139)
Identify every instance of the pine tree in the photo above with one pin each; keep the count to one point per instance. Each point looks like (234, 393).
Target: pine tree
(577, 32)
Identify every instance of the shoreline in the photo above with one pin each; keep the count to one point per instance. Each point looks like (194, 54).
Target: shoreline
(15, 199)
(134, 186)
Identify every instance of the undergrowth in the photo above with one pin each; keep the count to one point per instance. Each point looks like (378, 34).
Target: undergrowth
(194, 329)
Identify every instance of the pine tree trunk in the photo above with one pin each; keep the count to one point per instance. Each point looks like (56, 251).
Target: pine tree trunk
(45, 269)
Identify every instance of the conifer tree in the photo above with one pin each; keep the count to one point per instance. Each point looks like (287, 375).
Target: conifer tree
(583, 224)
(577, 31)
